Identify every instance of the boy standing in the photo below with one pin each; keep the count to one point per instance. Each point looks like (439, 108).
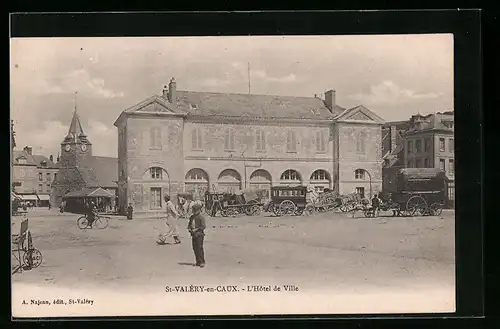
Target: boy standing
(197, 227)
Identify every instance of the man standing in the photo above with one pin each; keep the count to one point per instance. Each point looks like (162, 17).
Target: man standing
(171, 220)
(375, 205)
(197, 227)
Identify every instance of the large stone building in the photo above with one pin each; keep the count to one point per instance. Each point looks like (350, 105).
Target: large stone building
(80, 171)
(33, 175)
(194, 141)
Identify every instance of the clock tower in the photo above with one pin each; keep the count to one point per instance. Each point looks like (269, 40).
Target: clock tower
(76, 149)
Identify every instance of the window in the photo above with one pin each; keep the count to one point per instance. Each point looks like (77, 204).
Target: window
(155, 197)
(410, 147)
(48, 187)
(360, 191)
(55, 177)
(40, 187)
(48, 177)
(427, 163)
(156, 173)
(260, 140)
(155, 135)
(229, 139)
(451, 168)
(451, 145)
(427, 144)
(291, 141)
(418, 146)
(196, 139)
(441, 144)
(290, 175)
(418, 163)
(320, 175)
(442, 165)
(40, 176)
(359, 174)
(360, 142)
(320, 142)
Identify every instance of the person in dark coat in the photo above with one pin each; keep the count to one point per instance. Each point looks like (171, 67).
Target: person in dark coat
(130, 211)
(375, 205)
(196, 227)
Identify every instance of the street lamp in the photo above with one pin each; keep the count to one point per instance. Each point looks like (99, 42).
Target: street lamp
(370, 178)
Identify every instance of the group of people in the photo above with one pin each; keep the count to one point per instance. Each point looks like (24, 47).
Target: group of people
(196, 227)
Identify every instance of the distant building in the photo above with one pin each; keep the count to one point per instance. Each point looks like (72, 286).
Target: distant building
(80, 173)
(198, 141)
(424, 141)
(33, 176)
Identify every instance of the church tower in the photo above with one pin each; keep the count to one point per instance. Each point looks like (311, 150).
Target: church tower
(75, 166)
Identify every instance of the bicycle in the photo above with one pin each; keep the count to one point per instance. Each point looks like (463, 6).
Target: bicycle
(99, 222)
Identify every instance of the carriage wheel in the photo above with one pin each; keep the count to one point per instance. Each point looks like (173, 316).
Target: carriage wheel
(287, 207)
(32, 258)
(276, 209)
(82, 222)
(299, 211)
(256, 210)
(224, 213)
(436, 209)
(416, 206)
(309, 210)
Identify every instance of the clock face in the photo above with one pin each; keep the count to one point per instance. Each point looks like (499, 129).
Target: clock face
(83, 147)
(67, 148)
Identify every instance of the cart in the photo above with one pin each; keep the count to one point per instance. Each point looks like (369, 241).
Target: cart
(287, 200)
(326, 201)
(420, 191)
(246, 201)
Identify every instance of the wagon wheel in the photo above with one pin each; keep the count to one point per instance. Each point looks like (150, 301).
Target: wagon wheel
(248, 210)
(224, 212)
(276, 209)
(436, 209)
(32, 258)
(309, 209)
(256, 210)
(416, 206)
(287, 207)
(347, 207)
(231, 212)
(299, 211)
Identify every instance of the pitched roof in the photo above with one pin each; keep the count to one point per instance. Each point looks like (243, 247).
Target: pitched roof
(38, 159)
(23, 154)
(95, 192)
(437, 121)
(103, 172)
(75, 128)
(262, 106)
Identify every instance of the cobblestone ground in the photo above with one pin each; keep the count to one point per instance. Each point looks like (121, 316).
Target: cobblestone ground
(329, 253)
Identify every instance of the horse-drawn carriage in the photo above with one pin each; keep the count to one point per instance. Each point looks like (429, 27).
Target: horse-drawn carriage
(287, 200)
(420, 191)
(247, 201)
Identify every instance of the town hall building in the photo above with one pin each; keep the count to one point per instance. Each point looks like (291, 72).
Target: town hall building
(187, 141)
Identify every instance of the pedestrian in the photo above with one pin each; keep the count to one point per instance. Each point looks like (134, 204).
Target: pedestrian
(375, 205)
(171, 222)
(196, 228)
(50, 206)
(130, 211)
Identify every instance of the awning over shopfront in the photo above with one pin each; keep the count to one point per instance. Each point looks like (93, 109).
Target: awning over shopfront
(89, 193)
(14, 196)
(44, 197)
(29, 197)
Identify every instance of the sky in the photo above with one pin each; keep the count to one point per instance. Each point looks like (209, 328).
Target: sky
(395, 76)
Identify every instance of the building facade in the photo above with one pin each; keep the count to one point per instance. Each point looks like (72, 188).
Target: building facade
(79, 170)
(197, 141)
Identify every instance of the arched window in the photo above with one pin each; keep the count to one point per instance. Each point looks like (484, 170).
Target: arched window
(197, 175)
(196, 182)
(290, 174)
(359, 174)
(230, 180)
(261, 179)
(156, 173)
(320, 175)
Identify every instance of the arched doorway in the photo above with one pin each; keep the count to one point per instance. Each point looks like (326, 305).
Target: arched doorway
(261, 179)
(196, 182)
(320, 179)
(229, 181)
(290, 177)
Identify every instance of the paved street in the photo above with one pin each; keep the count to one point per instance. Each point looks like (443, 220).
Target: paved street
(376, 265)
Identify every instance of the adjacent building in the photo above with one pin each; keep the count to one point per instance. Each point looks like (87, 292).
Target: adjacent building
(424, 141)
(33, 176)
(198, 141)
(82, 175)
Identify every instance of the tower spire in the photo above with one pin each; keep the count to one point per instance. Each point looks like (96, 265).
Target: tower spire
(75, 128)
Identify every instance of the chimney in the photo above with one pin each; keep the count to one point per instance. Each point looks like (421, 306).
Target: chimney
(172, 92)
(393, 138)
(330, 99)
(51, 157)
(165, 92)
(28, 150)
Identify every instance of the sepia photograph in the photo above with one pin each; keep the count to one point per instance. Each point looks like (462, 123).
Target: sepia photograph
(232, 175)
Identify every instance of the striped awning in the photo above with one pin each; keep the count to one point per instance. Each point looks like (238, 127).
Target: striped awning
(29, 197)
(44, 197)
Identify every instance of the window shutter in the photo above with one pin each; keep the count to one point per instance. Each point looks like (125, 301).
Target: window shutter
(318, 141)
(200, 138)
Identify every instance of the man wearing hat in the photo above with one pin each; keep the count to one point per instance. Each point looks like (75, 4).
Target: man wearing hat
(197, 227)
(171, 221)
